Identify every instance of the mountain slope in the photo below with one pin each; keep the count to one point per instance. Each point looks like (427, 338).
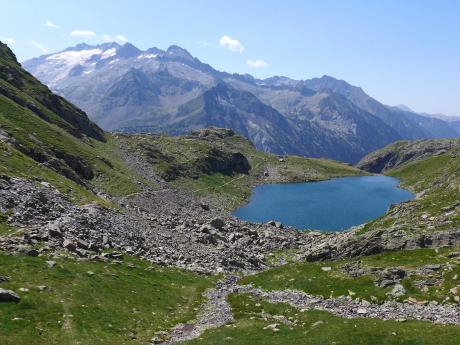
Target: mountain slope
(429, 168)
(125, 88)
(44, 136)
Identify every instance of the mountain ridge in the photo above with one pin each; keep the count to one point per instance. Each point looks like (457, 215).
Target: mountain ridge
(125, 88)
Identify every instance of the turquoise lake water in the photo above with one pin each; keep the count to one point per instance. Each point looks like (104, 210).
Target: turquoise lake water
(332, 205)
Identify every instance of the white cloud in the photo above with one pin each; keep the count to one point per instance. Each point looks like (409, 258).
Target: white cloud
(116, 38)
(256, 63)
(82, 33)
(107, 38)
(8, 40)
(39, 46)
(50, 24)
(121, 38)
(231, 44)
(202, 43)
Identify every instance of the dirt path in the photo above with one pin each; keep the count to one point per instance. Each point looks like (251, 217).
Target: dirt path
(215, 312)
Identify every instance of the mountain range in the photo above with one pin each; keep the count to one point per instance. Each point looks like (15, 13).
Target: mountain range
(123, 88)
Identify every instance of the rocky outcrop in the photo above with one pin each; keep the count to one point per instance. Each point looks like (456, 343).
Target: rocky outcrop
(337, 246)
(402, 152)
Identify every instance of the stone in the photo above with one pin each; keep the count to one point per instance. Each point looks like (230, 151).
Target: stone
(51, 263)
(54, 231)
(361, 311)
(455, 290)
(69, 245)
(273, 327)
(279, 225)
(27, 250)
(317, 323)
(204, 206)
(397, 291)
(326, 268)
(217, 223)
(9, 296)
(82, 244)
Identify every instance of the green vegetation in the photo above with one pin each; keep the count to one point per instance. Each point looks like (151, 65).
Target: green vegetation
(253, 315)
(328, 279)
(436, 182)
(186, 162)
(311, 278)
(45, 137)
(94, 302)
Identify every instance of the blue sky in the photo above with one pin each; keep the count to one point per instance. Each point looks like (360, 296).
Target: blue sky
(397, 51)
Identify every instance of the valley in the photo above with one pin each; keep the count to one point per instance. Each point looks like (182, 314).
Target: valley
(128, 238)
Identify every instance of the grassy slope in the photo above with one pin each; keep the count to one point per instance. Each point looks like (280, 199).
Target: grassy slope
(188, 150)
(108, 307)
(310, 278)
(319, 328)
(45, 128)
(436, 181)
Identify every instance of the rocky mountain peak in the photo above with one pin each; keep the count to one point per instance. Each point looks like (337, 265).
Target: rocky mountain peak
(176, 51)
(128, 50)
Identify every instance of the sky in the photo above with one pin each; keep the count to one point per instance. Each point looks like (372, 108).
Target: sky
(400, 52)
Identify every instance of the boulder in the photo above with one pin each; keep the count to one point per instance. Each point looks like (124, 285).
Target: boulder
(205, 206)
(69, 245)
(217, 223)
(8, 296)
(54, 230)
(82, 244)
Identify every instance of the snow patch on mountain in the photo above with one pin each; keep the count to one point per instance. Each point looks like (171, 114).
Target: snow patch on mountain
(147, 56)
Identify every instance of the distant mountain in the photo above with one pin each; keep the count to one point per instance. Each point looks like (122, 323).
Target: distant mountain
(126, 89)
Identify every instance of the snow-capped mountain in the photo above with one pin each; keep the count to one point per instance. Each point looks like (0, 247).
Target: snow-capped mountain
(124, 88)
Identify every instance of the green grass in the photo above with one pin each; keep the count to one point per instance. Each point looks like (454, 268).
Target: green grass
(105, 308)
(437, 182)
(319, 328)
(310, 278)
(188, 152)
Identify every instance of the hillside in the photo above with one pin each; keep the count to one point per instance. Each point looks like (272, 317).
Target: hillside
(429, 169)
(126, 89)
(44, 136)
